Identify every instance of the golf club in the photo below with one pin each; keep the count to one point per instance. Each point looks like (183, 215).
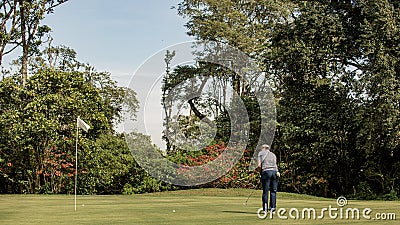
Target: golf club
(251, 193)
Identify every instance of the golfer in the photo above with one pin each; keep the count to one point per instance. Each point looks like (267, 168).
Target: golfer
(269, 177)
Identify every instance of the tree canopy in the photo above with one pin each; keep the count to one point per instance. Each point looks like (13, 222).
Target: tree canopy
(334, 68)
(21, 27)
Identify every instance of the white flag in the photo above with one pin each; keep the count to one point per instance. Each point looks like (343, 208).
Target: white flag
(84, 126)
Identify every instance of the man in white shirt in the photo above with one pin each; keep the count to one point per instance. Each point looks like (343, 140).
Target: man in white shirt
(269, 177)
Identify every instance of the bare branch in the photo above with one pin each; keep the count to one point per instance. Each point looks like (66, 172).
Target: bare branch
(12, 49)
(52, 6)
(8, 14)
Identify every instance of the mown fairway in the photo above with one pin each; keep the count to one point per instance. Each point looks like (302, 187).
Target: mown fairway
(203, 206)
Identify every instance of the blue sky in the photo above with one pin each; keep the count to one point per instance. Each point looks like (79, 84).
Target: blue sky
(117, 36)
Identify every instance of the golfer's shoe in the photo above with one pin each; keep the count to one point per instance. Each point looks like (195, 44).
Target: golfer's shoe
(272, 210)
(265, 208)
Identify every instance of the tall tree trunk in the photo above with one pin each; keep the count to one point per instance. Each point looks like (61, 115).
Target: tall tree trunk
(25, 46)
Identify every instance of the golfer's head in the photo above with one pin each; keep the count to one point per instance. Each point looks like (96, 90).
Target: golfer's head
(265, 147)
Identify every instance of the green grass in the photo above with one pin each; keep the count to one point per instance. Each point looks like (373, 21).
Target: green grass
(202, 206)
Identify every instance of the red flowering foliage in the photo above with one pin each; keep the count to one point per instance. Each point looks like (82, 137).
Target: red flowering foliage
(6, 169)
(209, 154)
(238, 177)
(56, 163)
(56, 169)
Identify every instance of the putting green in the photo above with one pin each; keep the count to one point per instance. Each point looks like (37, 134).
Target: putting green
(201, 206)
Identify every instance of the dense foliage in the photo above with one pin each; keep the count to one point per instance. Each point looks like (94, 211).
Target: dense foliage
(334, 67)
(38, 129)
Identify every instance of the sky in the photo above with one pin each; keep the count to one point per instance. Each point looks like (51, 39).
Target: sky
(117, 36)
(127, 38)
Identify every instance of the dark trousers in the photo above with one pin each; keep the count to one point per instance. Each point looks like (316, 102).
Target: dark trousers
(269, 181)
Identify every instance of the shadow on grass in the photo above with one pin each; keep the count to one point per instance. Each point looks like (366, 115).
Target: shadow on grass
(238, 212)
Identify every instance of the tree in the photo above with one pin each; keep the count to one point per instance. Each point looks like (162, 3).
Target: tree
(333, 66)
(20, 27)
(38, 127)
(63, 58)
(379, 119)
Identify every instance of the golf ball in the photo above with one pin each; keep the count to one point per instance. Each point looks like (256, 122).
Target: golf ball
(173, 210)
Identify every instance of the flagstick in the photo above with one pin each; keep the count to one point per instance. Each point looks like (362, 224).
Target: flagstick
(76, 159)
